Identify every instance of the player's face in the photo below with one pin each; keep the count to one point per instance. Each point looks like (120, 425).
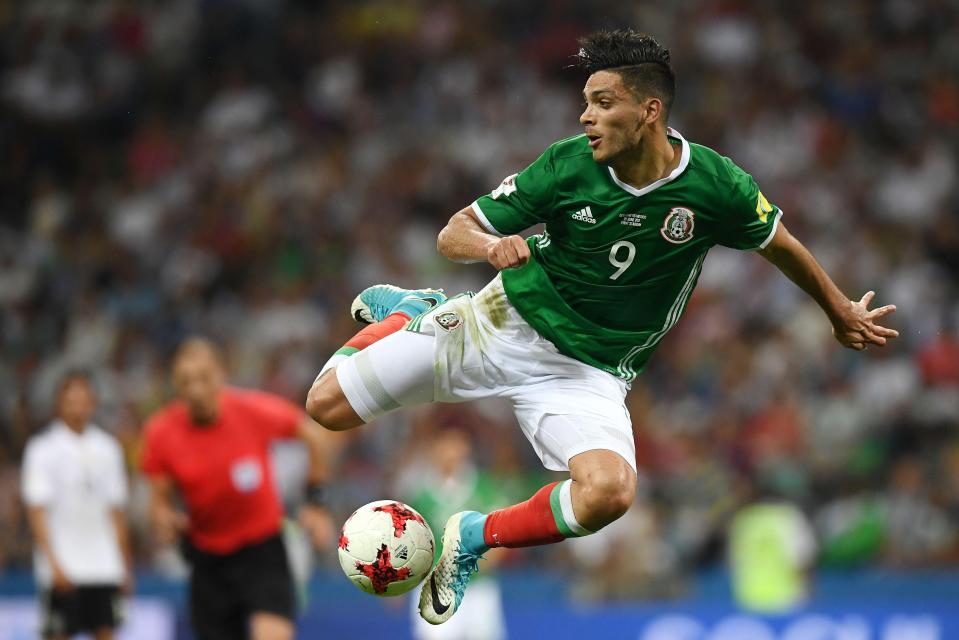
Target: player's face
(76, 403)
(450, 451)
(613, 117)
(198, 379)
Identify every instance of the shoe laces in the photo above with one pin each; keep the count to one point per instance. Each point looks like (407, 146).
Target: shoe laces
(378, 310)
(466, 564)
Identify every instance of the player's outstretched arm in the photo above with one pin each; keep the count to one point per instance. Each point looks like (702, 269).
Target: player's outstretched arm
(853, 323)
(464, 239)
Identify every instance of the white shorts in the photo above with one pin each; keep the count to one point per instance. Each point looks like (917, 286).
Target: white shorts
(479, 346)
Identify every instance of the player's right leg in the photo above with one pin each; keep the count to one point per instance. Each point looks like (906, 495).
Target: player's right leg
(58, 614)
(575, 418)
(386, 309)
(269, 626)
(601, 488)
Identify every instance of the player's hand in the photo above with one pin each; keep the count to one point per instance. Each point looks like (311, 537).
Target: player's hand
(511, 251)
(857, 327)
(169, 524)
(318, 524)
(60, 580)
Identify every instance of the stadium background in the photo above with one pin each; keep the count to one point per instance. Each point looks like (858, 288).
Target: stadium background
(242, 168)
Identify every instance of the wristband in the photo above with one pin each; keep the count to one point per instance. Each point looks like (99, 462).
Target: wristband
(316, 494)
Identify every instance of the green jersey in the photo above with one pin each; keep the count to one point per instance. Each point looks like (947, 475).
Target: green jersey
(616, 265)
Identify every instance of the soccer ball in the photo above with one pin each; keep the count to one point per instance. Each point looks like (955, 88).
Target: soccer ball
(386, 548)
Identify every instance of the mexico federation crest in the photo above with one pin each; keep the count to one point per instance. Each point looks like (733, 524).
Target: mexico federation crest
(678, 225)
(448, 320)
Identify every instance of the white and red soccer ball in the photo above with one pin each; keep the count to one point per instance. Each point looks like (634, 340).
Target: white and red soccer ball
(386, 548)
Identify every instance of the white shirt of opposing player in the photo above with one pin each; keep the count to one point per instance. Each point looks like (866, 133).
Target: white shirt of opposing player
(78, 479)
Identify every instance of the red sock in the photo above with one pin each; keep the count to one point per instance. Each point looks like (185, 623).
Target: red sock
(525, 524)
(375, 332)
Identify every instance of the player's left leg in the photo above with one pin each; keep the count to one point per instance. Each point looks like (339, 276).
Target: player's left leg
(101, 610)
(386, 309)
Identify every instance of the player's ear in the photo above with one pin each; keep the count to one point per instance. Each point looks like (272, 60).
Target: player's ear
(653, 110)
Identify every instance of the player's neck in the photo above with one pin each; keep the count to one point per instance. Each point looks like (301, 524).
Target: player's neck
(205, 419)
(74, 426)
(653, 160)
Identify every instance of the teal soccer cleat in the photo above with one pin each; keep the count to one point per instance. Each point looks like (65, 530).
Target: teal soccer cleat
(376, 302)
(443, 590)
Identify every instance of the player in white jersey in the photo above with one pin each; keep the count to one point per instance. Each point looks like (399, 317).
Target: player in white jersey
(74, 486)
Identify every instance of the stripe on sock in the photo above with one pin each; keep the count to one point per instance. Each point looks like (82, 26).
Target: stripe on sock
(561, 501)
(558, 511)
(374, 386)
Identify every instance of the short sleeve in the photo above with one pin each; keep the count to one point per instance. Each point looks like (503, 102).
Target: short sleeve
(35, 481)
(521, 200)
(153, 460)
(749, 221)
(275, 417)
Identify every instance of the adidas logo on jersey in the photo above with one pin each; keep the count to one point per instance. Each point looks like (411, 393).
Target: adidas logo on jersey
(584, 215)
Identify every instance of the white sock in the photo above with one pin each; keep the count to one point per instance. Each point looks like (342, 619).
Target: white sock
(566, 504)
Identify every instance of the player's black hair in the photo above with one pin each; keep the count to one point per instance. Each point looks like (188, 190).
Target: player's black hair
(195, 342)
(642, 62)
(75, 375)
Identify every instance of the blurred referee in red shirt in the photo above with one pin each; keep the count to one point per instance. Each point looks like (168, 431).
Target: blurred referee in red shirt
(212, 446)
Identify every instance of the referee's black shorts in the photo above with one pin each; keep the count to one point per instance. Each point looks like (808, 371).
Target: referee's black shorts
(226, 590)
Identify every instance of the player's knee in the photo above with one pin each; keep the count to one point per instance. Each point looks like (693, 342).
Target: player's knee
(316, 403)
(607, 495)
(324, 406)
(268, 626)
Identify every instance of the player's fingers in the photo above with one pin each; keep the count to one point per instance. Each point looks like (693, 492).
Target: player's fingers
(509, 254)
(884, 331)
(519, 250)
(872, 338)
(522, 249)
(866, 299)
(849, 338)
(857, 346)
(881, 311)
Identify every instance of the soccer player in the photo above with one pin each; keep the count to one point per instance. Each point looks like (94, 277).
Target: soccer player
(631, 208)
(75, 488)
(211, 445)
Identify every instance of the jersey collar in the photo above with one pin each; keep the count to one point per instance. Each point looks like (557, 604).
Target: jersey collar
(683, 163)
(60, 427)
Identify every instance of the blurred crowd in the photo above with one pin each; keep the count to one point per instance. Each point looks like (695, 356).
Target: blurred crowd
(240, 169)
